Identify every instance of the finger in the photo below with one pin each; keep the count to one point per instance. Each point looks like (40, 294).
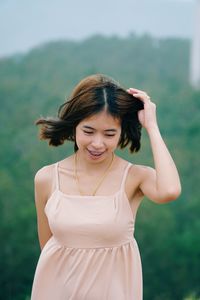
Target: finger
(143, 97)
(132, 92)
(136, 90)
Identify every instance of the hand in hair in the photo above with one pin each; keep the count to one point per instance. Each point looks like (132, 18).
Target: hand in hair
(146, 116)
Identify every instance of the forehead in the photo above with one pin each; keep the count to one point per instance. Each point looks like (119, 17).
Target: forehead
(101, 120)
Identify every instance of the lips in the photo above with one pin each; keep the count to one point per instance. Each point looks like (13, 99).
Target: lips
(95, 153)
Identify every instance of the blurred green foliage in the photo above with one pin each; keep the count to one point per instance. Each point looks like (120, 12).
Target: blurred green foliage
(36, 84)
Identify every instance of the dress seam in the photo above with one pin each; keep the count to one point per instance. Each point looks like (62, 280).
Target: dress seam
(94, 248)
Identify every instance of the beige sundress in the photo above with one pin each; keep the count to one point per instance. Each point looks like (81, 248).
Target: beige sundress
(92, 254)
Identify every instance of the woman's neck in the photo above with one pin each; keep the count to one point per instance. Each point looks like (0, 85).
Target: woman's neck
(93, 167)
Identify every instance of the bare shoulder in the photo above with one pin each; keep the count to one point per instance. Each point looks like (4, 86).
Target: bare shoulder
(44, 174)
(141, 171)
(137, 171)
(136, 176)
(43, 180)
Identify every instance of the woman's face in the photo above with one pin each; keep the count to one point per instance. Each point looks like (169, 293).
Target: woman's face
(98, 136)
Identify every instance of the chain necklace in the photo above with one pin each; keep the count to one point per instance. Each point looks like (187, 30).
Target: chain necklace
(99, 181)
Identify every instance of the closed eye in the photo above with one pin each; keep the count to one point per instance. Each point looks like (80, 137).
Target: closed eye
(88, 132)
(91, 132)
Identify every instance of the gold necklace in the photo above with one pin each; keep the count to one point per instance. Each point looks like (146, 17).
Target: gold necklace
(99, 181)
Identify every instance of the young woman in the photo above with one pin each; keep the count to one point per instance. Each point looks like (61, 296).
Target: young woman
(87, 203)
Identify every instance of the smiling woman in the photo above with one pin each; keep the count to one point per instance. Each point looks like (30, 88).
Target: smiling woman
(87, 203)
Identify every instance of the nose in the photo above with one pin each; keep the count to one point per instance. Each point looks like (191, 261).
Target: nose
(97, 142)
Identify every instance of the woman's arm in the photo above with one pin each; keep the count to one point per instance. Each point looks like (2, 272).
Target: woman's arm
(161, 184)
(41, 187)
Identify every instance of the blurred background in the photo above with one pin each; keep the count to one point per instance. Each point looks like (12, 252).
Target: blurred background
(46, 48)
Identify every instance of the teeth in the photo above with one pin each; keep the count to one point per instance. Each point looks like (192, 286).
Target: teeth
(95, 154)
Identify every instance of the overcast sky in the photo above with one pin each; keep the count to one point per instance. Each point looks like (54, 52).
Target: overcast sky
(25, 24)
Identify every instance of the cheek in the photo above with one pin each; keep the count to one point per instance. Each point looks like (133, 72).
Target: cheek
(81, 138)
(114, 142)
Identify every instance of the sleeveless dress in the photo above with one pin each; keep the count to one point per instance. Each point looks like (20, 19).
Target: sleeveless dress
(92, 254)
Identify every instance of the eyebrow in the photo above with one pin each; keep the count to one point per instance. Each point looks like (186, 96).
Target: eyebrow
(91, 128)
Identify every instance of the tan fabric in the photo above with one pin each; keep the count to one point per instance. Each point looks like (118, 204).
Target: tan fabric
(92, 254)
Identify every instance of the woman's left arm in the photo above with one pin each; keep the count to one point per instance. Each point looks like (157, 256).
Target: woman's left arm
(161, 184)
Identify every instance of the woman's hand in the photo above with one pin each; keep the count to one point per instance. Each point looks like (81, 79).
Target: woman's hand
(146, 116)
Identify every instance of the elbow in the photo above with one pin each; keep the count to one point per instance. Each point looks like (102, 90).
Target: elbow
(170, 195)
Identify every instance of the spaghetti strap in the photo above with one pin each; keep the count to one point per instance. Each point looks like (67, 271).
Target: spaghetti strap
(92, 253)
(125, 175)
(57, 176)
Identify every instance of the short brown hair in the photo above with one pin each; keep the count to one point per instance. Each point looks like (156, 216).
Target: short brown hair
(93, 94)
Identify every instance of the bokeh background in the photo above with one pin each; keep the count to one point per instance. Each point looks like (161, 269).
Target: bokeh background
(46, 47)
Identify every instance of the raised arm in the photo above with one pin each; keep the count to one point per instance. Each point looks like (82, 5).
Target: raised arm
(161, 184)
(41, 182)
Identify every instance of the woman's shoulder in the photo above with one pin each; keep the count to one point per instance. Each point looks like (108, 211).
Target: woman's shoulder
(134, 165)
(44, 175)
(141, 172)
(44, 170)
(43, 182)
(137, 170)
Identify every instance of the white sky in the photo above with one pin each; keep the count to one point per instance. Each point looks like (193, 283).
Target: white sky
(25, 24)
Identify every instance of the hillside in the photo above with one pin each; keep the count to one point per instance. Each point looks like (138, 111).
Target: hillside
(37, 84)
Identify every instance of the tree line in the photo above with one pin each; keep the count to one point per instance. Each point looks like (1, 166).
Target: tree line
(37, 83)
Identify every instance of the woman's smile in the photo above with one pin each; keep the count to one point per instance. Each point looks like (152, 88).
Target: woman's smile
(95, 154)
